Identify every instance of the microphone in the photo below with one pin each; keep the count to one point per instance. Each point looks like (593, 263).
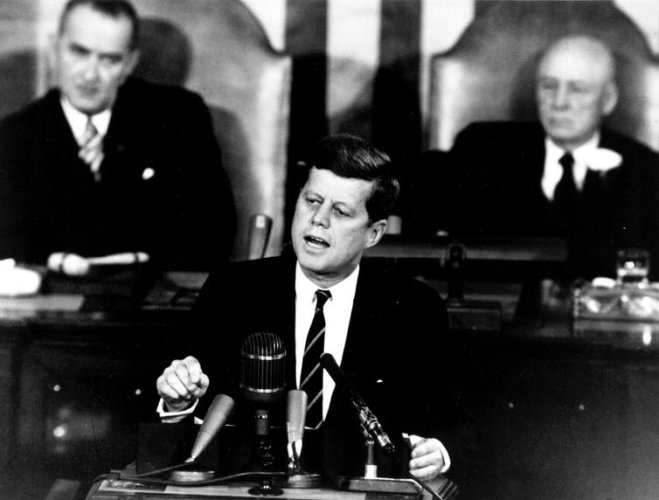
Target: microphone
(367, 418)
(263, 369)
(260, 226)
(370, 482)
(296, 414)
(455, 271)
(262, 383)
(217, 415)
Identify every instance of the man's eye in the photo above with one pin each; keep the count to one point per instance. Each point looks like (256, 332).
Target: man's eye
(312, 201)
(579, 89)
(111, 60)
(78, 51)
(340, 212)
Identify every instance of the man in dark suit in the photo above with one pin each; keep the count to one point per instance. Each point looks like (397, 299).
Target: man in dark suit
(107, 163)
(385, 331)
(565, 176)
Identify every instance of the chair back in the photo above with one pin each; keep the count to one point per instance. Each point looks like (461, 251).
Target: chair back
(489, 73)
(219, 49)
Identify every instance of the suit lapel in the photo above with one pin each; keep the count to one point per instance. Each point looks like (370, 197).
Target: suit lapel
(365, 321)
(61, 149)
(537, 159)
(285, 312)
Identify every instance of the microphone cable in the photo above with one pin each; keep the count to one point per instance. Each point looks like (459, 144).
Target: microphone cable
(146, 478)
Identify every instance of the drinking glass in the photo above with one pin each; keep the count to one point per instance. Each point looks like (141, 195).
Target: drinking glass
(632, 266)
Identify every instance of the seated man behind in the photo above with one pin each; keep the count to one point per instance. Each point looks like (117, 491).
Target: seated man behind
(385, 331)
(106, 163)
(565, 176)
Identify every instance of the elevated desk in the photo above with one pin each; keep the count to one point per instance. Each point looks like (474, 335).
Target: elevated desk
(67, 362)
(490, 249)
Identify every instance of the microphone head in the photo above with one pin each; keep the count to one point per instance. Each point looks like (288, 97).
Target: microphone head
(217, 415)
(296, 414)
(263, 370)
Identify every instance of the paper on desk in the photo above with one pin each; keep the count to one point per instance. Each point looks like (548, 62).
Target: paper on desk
(17, 281)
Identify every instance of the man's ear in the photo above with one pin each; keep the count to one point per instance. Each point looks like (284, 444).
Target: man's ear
(375, 232)
(609, 98)
(51, 54)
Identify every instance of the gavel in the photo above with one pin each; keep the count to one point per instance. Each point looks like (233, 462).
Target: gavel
(73, 264)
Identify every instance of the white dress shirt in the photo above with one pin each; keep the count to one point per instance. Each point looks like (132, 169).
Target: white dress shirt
(553, 171)
(337, 312)
(78, 120)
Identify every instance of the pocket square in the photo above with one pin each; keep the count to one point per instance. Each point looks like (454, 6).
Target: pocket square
(147, 173)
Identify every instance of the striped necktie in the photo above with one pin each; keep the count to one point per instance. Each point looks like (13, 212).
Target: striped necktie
(91, 149)
(312, 373)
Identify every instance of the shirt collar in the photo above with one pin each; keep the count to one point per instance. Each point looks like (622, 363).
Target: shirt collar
(580, 154)
(305, 289)
(78, 120)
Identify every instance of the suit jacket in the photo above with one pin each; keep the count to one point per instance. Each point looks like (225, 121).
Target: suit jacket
(393, 354)
(497, 171)
(162, 189)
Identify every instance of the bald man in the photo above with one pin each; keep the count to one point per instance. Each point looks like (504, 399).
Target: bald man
(565, 176)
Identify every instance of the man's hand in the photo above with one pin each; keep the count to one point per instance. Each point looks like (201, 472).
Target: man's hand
(427, 459)
(181, 383)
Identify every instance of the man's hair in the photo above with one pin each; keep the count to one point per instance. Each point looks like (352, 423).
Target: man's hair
(352, 157)
(599, 51)
(110, 8)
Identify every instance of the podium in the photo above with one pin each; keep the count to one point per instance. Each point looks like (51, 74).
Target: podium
(113, 487)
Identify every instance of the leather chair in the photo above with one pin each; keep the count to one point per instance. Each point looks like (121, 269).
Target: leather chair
(489, 73)
(219, 49)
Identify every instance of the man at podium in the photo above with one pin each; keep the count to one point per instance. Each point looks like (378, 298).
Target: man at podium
(385, 331)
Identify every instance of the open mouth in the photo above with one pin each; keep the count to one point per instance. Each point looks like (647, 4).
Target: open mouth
(316, 242)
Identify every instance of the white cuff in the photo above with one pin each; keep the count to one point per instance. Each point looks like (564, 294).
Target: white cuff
(172, 417)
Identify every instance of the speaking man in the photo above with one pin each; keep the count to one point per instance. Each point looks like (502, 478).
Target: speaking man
(107, 163)
(384, 330)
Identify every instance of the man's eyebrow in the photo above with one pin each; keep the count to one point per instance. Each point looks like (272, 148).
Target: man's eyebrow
(79, 47)
(105, 54)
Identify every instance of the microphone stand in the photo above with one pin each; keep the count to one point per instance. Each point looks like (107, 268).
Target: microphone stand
(370, 482)
(370, 468)
(265, 456)
(375, 433)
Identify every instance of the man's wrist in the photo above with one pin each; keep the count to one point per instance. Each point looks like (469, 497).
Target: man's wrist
(168, 415)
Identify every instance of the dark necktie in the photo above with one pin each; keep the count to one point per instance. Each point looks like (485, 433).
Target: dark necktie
(311, 378)
(566, 190)
(91, 149)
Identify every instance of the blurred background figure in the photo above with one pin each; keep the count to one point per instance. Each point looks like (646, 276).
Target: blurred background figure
(564, 176)
(107, 163)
